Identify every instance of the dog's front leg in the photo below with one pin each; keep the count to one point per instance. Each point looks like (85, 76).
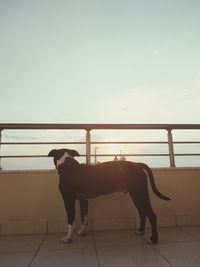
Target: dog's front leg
(84, 216)
(68, 238)
(70, 209)
(82, 230)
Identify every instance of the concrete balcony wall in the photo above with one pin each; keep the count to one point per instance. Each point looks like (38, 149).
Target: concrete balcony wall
(31, 203)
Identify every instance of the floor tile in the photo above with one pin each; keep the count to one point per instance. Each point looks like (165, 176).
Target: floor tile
(19, 259)
(171, 235)
(66, 258)
(117, 238)
(52, 241)
(20, 243)
(177, 247)
(194, 231)
(181, 254)
(137, 256)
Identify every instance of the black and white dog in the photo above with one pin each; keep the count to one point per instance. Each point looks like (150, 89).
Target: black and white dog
(82, 182)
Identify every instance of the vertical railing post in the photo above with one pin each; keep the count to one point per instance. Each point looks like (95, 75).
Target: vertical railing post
(0, 149)
(171, 148)
(88, 146)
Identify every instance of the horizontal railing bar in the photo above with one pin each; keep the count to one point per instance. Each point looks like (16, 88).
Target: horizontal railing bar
(103, 155)
(80, 143)
(98, 143)
(23, 156)
(187, 154)
(129, 142)
(44, 126)
(42, 143)
(128, 155)
(83, 155)
(147, 142)
(186, 142)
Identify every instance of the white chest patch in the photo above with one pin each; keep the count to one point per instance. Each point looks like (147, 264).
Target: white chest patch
(62, 159)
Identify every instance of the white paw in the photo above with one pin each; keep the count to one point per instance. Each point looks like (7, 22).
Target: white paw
(66, 239)
(81, 232)
(137, 232)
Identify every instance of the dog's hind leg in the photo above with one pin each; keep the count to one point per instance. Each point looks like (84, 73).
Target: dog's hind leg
(142, 203)
(153, 221)
(147, 209)
(141, 212)
(84, 216)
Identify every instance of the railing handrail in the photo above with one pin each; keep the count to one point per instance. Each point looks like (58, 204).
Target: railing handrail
(105, 126)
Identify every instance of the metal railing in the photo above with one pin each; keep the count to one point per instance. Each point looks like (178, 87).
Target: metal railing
(90, 127)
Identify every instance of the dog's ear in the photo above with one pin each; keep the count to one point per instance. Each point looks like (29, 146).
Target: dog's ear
(72, 153)
(52, 153)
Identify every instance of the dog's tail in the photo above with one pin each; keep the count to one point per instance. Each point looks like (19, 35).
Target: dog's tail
(152, 182)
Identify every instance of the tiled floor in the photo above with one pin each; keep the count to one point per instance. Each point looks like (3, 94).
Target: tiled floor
(178, 247)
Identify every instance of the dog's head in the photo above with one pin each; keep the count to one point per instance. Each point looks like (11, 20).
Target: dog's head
(59, 155)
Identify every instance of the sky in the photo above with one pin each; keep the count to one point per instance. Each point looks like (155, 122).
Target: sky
(123, 61)
(99, 61)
